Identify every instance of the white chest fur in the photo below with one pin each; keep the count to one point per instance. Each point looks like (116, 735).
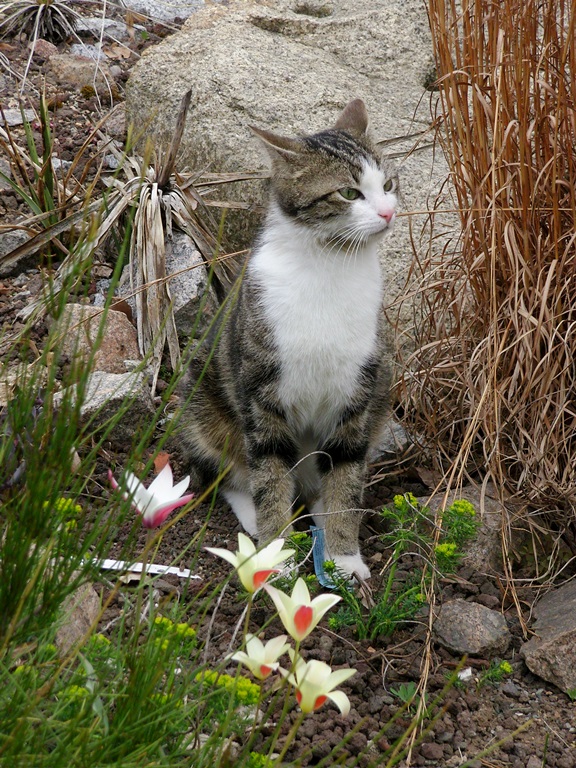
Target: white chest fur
(323, 307)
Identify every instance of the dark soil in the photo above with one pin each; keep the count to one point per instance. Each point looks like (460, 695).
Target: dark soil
(473, 718)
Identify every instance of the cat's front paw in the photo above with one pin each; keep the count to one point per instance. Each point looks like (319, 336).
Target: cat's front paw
(353, 565)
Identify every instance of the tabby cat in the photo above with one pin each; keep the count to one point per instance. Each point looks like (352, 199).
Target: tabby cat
(297, 390)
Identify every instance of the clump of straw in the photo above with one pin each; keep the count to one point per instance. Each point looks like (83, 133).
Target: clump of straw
(494, 382)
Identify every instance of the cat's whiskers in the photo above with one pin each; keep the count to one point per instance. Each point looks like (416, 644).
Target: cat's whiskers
(352, 238)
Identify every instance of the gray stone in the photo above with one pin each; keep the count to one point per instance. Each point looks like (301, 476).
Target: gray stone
(79, 611)
(111, 162)
(13, 375)
(11, 117)
(88, 51)
(470, 628)
(115, 125)
(511, 689)
(551, 652)
(394, 440)
(107, 394)
(43, 49)
(280, 66)
(164, 10)
(187, 283)
(6, 171)
(9, 241)
(61, 165)
(484, 553)
(111, 339)
(432, 751)
(100, 27)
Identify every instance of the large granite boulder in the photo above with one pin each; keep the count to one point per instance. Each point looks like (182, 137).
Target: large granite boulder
(291, 66)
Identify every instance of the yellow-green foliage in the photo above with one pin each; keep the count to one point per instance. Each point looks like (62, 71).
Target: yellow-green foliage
(240, 687)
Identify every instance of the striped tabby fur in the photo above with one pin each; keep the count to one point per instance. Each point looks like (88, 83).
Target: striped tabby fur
(297, 390)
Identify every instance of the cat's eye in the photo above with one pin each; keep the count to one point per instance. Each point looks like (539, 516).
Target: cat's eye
(349, 193)
(389, 185)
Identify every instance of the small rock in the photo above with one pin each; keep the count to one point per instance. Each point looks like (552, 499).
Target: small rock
(394, 440)
(551, 653)
(6, 171)
(471, 628)
(61, 165)
(11, 117)
(111, 162)
(511, 689)
(44, 49)
(12, 375)
(80, 327)
(88, 51)
(187, 282)
(9, 241)
(432, 751)
(376, 704)
(534, 762)
(175, 9)
(115, 125)
(80, 610)
(100, 27)
(108, 393)
(490, 601)
(81, 72)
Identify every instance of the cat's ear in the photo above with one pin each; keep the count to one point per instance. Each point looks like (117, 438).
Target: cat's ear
(279, 147)
(354, 119)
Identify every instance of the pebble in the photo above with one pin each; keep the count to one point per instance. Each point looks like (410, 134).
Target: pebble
(111, 161)
(97, 27)
(375, 704)
(489, 601)
(43, 49)
(511, 689)
(13, 117)
(88, 51)
(432, 751)
(61, 165)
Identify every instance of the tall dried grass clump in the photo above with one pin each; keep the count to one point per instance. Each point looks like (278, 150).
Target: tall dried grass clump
(493, 385)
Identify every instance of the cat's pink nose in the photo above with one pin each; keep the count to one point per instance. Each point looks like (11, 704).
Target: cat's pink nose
(387, 215)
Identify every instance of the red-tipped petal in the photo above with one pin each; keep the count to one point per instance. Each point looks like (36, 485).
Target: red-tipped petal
(319, 701)
(265, 670)
(161, 514)
(112, 480)
(303, 619)
(298, 697)
(260, 577)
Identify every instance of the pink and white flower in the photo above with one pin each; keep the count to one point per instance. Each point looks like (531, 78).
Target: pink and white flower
(315, 683)
(157, 501)
(261, 659)
(298, 613)
(254, 567)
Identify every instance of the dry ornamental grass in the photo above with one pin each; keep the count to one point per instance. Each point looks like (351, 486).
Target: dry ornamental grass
(493, 384)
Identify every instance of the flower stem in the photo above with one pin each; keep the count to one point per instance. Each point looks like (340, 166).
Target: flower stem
(290, 738)
(138, 618)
